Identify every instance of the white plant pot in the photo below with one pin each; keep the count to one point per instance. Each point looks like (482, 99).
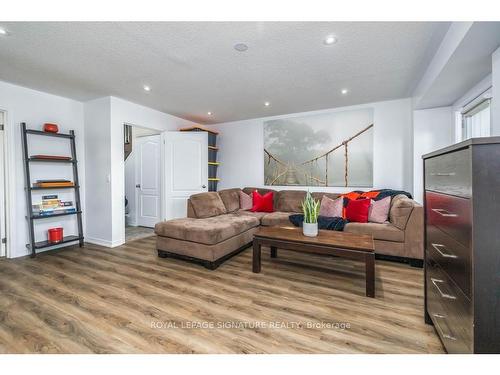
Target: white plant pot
(310, 229)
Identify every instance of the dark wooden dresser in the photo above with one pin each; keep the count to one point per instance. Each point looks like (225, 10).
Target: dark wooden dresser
(462, 245)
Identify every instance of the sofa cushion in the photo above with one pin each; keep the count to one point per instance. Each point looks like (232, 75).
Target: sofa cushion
(401, 208)
(258, 215)
(203, 251)
(318, 195)
(357, 210)
(331, 207)
(277, 219)
(385, 232)
(208, 231)
(246, 201)
(262, 191)
(231, 199)
(262, 203)
(379, 210)
(207, 205)
(290, 200)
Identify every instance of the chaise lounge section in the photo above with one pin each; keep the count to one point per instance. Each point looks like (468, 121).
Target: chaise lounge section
(216, 228)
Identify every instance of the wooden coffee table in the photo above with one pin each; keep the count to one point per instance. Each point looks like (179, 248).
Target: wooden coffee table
(341, 244)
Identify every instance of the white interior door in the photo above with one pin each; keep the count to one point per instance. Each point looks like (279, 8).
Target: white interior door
(2, 186)
(186, 169)
(148, 184)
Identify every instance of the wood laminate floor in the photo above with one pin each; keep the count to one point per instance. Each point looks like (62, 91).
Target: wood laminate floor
(127, 300)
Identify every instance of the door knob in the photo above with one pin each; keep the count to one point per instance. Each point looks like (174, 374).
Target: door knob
(138, 186)
(204, 186)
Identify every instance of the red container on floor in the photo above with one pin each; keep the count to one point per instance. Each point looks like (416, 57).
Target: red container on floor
(55, 235)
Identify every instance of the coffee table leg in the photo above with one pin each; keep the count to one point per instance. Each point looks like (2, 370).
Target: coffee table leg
(274, 251)
(370, 274)
(256, 257)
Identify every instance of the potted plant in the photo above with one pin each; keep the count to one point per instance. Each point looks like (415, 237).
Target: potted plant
(310, 207)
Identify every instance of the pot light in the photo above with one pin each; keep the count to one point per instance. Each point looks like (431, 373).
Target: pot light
(240, 47)
(3, 31)
(344, 91)
(330, 39)
(146, 88)
(267, 104)
(209, 113)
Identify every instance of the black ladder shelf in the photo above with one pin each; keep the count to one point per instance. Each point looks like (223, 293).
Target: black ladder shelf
(67, 240)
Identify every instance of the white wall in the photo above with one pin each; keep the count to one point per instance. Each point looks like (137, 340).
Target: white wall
(432, 130)
(495, 103)
(110, 220)
(98, 162)
(35, 108)
(242, 157)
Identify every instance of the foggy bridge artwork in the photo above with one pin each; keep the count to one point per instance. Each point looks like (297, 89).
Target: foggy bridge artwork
(331, 149)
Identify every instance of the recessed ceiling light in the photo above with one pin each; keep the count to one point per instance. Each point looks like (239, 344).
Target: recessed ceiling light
(240, 47)
(147, 88)
(330, 39)
(344, 91)
(209, 113)
(3, 31)
(267, 104)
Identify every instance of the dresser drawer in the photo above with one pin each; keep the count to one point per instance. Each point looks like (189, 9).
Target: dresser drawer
(450, 310)
(449, 173)
(454, 258)
(450, 214)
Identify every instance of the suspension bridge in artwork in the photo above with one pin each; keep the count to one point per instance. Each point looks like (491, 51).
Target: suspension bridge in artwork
(289, 173)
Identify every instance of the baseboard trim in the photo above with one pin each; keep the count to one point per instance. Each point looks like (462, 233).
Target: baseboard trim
(105, 243)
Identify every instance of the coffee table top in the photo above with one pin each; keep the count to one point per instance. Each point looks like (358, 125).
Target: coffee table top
(353, 241)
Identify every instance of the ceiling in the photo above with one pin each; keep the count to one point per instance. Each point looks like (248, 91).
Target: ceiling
(192, 67)
(469, 64)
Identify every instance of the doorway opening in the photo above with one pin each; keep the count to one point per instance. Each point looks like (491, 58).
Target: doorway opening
(142, 153)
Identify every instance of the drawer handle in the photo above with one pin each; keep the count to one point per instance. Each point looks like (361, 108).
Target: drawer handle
(445, 335)
(438, 248)
(444, 295)
(443, 212)
(443, 174)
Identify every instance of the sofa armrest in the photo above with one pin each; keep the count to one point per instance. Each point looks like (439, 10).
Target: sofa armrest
(190, 210)
(414, 233)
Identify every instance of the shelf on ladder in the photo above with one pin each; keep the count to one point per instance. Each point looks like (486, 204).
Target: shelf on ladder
(69, 239)
(66, 239)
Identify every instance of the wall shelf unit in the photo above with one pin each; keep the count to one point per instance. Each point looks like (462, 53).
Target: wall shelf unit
(29, 188)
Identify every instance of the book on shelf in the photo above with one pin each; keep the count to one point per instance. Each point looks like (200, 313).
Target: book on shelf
(52, 205)
(55, 211)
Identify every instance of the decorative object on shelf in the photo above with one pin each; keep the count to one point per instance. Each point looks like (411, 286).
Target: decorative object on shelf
(310, 207)
(212, 154)
(53, 183)
(50, 128)
(332, 149)
(55, 235)
(51, 206)
(50, 157)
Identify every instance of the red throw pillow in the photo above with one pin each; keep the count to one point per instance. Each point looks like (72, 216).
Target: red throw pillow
(262, 203)
(357, 210)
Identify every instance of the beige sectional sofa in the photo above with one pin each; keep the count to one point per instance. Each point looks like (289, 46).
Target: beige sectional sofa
(216, 228)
